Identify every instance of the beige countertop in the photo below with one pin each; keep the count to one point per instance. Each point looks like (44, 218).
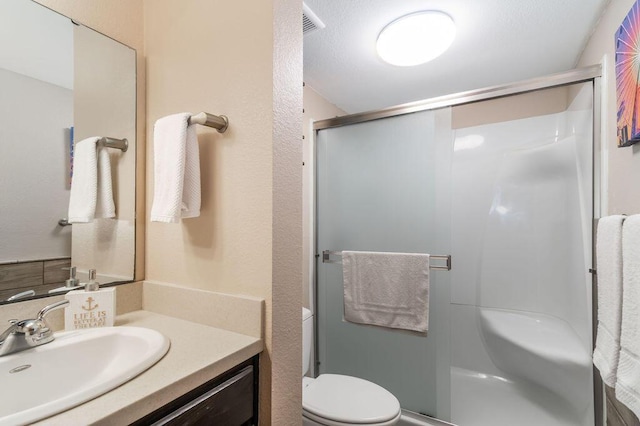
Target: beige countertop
(198, 353)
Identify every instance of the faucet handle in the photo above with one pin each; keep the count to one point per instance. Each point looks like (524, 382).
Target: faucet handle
(37, 331)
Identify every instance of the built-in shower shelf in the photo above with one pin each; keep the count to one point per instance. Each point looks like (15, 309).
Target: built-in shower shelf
(541, 349)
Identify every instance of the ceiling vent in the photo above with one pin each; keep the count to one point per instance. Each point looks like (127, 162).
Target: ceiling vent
(310, 22)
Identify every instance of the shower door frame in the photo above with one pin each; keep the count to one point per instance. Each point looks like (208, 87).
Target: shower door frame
(591, 74)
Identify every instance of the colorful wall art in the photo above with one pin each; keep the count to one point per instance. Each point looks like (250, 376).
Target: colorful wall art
(627, 76)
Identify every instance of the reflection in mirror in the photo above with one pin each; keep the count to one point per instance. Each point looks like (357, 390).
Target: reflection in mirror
(61, 83)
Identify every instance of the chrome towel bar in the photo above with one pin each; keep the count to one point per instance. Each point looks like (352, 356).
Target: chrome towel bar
(121, 144)
(326, 258)
(218, 122)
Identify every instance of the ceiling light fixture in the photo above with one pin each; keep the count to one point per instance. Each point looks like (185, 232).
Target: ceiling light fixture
(416, 38)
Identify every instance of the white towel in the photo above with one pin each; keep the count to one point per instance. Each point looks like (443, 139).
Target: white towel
(176, 171)
(628, 384)
(609, 267)
(387, 289)
(91, 188)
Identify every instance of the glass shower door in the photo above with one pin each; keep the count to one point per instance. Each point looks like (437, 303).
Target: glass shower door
(384, 186)
(521, 243)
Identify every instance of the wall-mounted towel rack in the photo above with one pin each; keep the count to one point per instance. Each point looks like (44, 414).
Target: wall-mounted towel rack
(121, 144)
(326, 258)
(218, 122)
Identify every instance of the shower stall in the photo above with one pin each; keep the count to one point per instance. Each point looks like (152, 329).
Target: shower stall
(506, 181)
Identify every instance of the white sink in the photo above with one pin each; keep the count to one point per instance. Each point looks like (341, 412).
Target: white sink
(76, 367)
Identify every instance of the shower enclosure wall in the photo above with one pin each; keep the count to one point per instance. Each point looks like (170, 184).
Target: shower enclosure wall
(504, 185)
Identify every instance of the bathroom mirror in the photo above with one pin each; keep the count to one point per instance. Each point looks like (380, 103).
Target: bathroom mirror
(61, 82)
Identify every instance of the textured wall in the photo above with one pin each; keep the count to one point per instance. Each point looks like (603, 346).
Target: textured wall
(226, 58)
(624, 163)
(287, 213)
(215, 56)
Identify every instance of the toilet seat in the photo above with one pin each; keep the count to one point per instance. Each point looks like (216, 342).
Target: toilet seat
(326, 422)
(338, 400)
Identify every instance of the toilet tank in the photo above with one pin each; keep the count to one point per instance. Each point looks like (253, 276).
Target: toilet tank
(307, 337)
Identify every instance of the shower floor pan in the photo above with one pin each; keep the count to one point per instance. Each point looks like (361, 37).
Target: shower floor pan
(485, 400)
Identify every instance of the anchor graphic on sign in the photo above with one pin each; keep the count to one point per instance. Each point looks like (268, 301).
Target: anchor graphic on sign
(91, 307)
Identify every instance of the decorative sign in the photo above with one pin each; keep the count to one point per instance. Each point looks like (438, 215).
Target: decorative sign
(627, 76)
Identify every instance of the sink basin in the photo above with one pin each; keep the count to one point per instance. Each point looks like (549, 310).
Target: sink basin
(76, 367)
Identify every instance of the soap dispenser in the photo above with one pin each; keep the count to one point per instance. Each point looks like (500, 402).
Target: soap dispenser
(71, 284)
(91, 307)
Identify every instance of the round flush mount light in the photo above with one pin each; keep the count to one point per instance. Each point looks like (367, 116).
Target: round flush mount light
(416, 38)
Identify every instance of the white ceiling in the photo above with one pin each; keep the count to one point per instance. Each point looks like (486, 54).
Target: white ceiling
(497, 42)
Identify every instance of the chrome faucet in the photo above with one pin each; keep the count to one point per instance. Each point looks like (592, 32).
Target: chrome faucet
(26, 334)
(21, 295)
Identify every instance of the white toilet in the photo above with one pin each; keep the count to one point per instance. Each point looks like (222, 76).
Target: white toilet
(337, 400)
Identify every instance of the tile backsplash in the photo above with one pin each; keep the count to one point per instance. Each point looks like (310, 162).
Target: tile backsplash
(38, 275)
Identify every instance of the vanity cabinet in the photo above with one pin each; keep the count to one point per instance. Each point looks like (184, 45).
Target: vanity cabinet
(229, 399)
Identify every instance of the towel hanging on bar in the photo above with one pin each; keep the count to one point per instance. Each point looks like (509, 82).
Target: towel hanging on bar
(176, 170)
(387, 289)
(91, 194)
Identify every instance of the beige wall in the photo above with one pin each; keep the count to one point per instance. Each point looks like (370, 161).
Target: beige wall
(118, 19)
(194, 63)
(225, 58)
(243, 60)
(121, 20)
(286, 355)
(509, 108)
(316, 108)
(623, 163)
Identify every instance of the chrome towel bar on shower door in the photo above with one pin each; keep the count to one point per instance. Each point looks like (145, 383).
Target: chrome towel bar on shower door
(326, 258)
